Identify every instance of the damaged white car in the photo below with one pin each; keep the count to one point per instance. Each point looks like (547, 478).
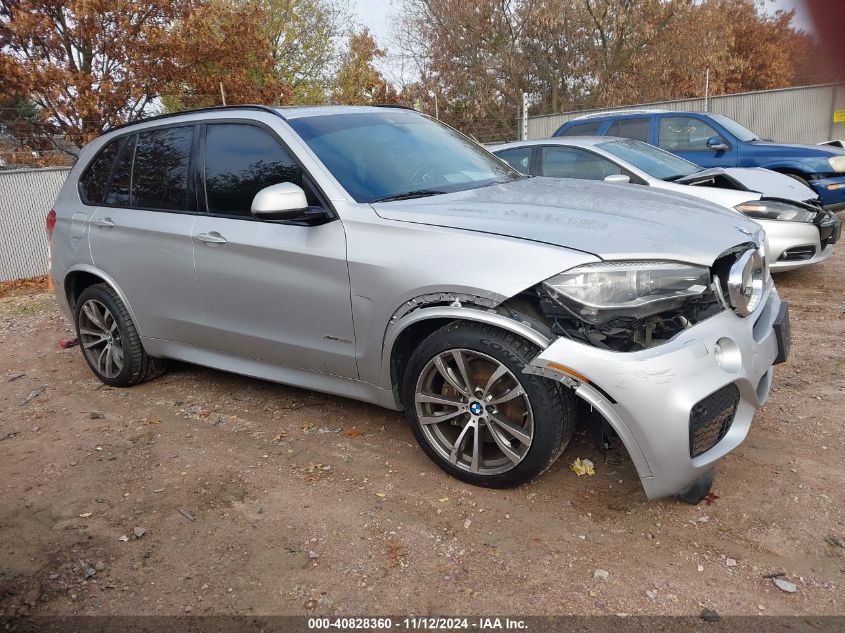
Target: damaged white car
(799, 231)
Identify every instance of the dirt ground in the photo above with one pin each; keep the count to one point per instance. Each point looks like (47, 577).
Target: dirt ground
(256, 498)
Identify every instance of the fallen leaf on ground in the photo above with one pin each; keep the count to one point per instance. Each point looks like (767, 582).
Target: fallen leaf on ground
(583, 467)
(710, 498)
(351, 434)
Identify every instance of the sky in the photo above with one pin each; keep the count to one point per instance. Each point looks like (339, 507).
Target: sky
(374, 14)
(802, 17)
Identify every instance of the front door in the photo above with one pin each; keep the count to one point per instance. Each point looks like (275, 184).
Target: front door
(687, 137)
(273, 292)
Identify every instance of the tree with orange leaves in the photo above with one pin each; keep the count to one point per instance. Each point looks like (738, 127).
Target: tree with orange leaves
(85, 64)
(221, 52)
(88, 65)
(358, 81)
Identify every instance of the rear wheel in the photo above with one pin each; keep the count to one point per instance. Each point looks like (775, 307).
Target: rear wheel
(476, 414)
(109, 340)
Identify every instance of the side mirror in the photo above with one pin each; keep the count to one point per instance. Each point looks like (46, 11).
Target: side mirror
(717, 143)
(285, 201)
(618, 179)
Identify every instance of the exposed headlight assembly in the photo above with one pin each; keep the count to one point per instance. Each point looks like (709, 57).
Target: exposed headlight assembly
(596, 292)
(772, 210)
(747, 282)
(837, 163)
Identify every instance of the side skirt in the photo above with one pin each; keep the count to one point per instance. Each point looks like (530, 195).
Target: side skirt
(325, 383)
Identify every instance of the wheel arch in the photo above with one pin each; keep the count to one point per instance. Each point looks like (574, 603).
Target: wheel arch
(403, 336)
(789, 168)
(84, 276)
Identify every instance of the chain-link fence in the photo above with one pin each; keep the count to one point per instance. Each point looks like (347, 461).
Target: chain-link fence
(788, 115)
(25, 198)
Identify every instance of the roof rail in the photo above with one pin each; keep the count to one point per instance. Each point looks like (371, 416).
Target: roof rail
(395, 105)
(167, 115)
(609, 112)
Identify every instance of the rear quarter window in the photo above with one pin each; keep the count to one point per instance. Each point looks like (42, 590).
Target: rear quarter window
(590, 128)
(95, 178)
(518, 157)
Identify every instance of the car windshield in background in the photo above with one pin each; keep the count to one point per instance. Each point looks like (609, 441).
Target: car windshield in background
(394, 155)
(650, 159)
(739, 131)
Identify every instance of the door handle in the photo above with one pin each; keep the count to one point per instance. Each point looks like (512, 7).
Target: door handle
(106, 223)
(211, 238)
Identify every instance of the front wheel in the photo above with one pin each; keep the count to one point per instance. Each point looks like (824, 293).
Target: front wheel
(476, 414)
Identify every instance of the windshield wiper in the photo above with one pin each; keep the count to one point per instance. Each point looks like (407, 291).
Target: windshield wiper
(408, 195)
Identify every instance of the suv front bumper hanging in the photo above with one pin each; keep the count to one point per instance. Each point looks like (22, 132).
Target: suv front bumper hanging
(680, 406)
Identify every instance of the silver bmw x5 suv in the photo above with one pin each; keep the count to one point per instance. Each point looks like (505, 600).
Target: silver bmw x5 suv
(377, 254)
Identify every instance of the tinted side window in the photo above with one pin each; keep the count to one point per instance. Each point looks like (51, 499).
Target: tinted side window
(121, 176)
(160, 172)
(518, 158)
(684, 133)
(591, 128)
(96, 177)
(240, 160)
(636, 129)
(571, 162)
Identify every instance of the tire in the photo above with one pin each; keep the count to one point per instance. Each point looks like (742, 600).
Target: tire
(505, 408)
(798, 178)
(109, 340)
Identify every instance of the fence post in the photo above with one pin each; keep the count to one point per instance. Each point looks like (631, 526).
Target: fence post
(523, 136)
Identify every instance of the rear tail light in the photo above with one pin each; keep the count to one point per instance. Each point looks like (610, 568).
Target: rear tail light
(51, 223)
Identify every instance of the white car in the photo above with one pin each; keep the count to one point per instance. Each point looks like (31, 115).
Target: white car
(799, 231)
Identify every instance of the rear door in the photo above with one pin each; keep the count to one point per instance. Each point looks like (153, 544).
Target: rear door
(141, 233)
(274, 292)
(687, 137)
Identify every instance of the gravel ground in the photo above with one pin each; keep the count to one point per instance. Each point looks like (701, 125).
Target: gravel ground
(208, 493)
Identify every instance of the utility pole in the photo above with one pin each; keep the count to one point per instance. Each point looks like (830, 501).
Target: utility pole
(436, 109)
(707, 90)
(523, 136)
(222, 94)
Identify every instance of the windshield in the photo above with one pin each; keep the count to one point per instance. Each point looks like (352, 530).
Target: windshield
(397, 154)
(739, 131)
(650, 159)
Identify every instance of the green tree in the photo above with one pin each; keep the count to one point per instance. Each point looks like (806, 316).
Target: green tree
(305, 39)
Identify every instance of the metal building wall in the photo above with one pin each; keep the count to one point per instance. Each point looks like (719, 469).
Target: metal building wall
(25, 198)
(788, 115)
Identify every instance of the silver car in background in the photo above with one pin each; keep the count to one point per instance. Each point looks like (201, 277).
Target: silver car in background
(377, 254)
(799, 231)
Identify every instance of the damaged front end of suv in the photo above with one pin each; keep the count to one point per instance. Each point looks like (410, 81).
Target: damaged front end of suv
(674, 357)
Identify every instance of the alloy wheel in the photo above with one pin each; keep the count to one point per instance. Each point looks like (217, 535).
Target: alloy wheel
(99, 336)
(474, 411)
